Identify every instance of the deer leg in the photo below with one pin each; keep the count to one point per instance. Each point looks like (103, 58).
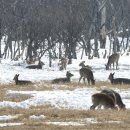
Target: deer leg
(80, 79)
(88, 81)
(109, 66)
(64, 66)
(116, 65)
(106, 107)
(113, 66)
(99, 106)
(93, 106)
(84, 81)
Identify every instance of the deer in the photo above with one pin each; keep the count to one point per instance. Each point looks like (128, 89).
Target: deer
(82, 64)
(63, 63)
(116, 97)
(114, 58)
(39, 66)
(20, 82)
(63, 80)
(86, 73)
(118, 80)
(102, 99)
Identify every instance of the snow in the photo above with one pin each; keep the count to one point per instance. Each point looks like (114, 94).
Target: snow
(37, 117)
(9, 68)
(79, 98)
(76, 99)
(81, 123)
(10, 124)
(64, 123)
(8, 117)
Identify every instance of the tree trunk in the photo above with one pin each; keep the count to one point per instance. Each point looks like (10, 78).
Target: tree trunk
(29, 50)
(114, 34)
(50, 59)
(96, 54)
(103, 27)
(60, 51)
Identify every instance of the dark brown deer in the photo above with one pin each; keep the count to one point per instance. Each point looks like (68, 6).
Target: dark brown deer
(86, 73)
(116, 97)
(114, 58)
(102, 99)
(63, 80)
(118, 80)
(39, 66)
(82, 64)
(20, 82)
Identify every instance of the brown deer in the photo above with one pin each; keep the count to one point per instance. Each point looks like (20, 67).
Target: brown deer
(114, 58)
(20, 82)
(116, 97)
(63, 63)
(63, 80)
(39, 66)
(82, 64)
(86, 73)
(102, 99)
(118, 80)
(31, 60)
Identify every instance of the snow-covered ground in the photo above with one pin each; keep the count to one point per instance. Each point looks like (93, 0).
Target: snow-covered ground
(79, 98)
(9, 68)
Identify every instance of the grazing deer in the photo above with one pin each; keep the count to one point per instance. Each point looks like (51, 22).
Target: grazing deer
(63, 63)
(39, 66)
(102, 99)
(86, 73)
(63, 80)
(82, 64)
(116, 97)
(118, 80)
(114, 58)
(20, 82)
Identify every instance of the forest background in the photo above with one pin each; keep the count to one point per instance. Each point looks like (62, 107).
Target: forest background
(58, 28)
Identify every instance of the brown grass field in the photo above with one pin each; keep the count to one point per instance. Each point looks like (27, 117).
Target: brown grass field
(104, 119)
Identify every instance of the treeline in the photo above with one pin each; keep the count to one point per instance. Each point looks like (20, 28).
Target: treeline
(61, 27)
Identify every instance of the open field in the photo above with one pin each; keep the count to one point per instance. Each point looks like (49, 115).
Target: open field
(46, 106)
(49, 117)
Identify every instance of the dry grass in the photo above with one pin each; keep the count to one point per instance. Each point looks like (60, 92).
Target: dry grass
(43, 86)
(55, 115)
(61, 115)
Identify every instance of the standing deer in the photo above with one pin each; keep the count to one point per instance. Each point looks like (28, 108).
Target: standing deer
(63, 80)
(116, 97)
(63, 63)
(86, 73)
(114, 58)
(82, 64)
(118, 80)
(20, 82)
(39, 66)
(102, 99)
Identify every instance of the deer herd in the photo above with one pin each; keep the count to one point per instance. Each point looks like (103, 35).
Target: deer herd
(106, 98)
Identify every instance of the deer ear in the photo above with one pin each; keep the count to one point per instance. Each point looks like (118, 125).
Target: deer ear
(68, 71)
(113, 73)
(17, 74)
